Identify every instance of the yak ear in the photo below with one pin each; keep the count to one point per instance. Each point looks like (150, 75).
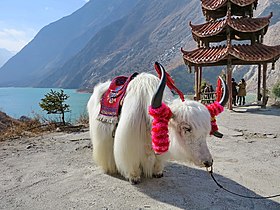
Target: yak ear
(157, 98)
(225, 95)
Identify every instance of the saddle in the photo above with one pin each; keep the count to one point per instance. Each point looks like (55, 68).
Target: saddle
(112, 99)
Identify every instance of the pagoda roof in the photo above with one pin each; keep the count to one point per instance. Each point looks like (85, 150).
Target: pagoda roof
(216, 4)
(244, 24)
(239, 54)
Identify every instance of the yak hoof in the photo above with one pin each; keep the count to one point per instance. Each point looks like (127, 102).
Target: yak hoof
(134, 181)
(158, 175)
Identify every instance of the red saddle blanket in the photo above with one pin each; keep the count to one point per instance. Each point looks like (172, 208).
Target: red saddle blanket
(111, 101)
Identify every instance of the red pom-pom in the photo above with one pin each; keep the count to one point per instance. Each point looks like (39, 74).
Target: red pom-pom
(160, 137)
(214, 109)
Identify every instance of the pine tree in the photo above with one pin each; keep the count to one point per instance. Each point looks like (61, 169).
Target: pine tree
(53, 103)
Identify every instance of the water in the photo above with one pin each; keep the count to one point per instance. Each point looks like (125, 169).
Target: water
(17, 102)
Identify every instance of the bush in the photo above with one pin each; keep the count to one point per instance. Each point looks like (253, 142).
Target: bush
(83, 119)
(53, 103)
(29, 128)
(276, 89)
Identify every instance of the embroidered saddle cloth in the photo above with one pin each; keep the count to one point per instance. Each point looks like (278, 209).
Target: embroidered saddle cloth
(111, 101)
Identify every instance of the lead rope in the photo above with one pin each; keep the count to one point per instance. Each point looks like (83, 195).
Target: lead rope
(244, 196)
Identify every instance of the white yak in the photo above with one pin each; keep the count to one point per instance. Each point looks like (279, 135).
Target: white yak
(130, 151)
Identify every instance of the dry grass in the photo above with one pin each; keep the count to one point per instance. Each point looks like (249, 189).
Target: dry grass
(37, 126)
(276, 104)
(83, 120)
(30, 128)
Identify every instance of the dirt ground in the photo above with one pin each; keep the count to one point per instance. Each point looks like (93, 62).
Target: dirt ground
(56, 171)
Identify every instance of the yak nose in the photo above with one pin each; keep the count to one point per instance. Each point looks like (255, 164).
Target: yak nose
(208, 163)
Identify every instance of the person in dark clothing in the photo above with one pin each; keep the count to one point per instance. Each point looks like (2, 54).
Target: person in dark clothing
(234, 91)
(242, 92)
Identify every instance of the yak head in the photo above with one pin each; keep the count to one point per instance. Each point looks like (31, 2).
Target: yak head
(188, 127)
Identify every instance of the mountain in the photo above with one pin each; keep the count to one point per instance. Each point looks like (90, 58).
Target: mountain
(106, 38)
(152, 31)
(5, 55)
(59, 41)
(271, 38)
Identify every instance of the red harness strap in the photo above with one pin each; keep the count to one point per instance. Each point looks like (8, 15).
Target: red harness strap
(170, 83)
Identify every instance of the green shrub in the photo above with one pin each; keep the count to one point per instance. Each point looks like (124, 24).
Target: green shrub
(53, 103)
(276, 89)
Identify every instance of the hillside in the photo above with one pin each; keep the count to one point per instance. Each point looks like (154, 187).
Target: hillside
(59, 41)
(6, 121)
(5, 55)
(271, 38)
(108, 38)
(152, 31)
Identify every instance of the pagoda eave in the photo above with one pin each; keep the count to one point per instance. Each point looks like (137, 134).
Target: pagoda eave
(216, 4)
(214, 15)
(224, 62)
(238, 54)
(215, 9)
(237, 25)
(234, 36)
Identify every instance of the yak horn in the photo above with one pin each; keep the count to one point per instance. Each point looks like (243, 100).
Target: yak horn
(157, 98)
(225, 95)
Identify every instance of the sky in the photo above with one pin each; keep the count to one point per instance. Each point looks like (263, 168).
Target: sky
(21, 20)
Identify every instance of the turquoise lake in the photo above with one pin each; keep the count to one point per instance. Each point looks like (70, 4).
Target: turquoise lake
(17, 102)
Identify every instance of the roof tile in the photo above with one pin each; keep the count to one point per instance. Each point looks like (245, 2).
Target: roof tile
(246, 25)
(250, 53)
(216, 4)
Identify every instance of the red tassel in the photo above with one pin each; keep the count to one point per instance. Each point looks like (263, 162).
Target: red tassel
(170, 83)
(160, 137)
(214, 109)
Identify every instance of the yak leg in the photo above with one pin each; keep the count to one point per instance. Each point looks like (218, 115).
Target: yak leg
(152, 164)
(159, 166)
(103, 144)
(128, 150)
(127, 156)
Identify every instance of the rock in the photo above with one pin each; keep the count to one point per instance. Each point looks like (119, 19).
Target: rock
(24, 119)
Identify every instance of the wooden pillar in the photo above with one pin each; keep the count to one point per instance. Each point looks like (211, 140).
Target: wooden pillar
(199, 81)
(229, 85)
(259, 83)
(264, 86)
(229, 66)
(196, 83)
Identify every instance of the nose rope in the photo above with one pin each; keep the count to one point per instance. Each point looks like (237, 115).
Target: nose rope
(234, 193)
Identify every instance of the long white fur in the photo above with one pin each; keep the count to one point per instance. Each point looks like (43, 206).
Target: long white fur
(189, 146)
(130, 152)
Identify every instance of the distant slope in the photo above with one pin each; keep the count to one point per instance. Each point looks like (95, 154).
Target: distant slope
(153, 31)
(112, 37)
(60, 40)
(5, 55)
(271, 38)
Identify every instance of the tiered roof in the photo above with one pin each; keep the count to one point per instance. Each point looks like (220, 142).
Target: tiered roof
(228, 28)
(241, 28)
(216, 4)
(214, 9)
(245, 27)
(239, 54)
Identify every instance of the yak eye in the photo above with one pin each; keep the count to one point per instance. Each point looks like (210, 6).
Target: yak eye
(187, 129)
(184, 128)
